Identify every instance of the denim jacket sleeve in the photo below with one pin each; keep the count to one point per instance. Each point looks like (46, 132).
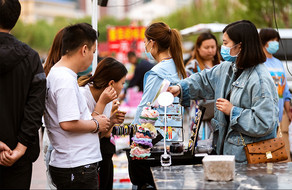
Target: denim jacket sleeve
(151, 87)
(198, 86)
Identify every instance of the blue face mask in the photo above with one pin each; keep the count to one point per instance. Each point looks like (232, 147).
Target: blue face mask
(148, 54)
(273, 47)
(225, 53)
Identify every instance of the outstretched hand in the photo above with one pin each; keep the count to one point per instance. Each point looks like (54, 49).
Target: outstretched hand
(175, 90)
(224, 105)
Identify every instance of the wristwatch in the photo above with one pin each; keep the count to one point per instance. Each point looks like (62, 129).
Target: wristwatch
(97, 125)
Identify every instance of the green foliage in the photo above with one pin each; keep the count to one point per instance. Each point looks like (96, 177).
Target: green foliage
(205, 11)
(40, 35)
(259, 12)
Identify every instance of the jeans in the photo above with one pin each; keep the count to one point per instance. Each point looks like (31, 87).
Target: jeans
(82, 177)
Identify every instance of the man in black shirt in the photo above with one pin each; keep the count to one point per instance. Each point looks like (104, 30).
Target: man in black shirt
(141, 67)
(22, 102)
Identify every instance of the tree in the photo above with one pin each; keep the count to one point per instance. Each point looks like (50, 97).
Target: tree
(261, 12)
(40, 35)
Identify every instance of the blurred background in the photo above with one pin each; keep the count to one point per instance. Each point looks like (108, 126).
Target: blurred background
(41, 19)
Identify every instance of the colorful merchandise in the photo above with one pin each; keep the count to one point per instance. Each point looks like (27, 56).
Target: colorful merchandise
(142, 141)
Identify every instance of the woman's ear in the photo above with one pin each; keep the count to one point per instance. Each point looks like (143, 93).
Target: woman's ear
(111, 83)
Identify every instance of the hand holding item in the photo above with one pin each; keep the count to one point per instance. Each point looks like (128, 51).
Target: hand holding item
(175, 90)
(224, 105)
(108, 95)
(104, 123)
(115, 105)
(117, 117)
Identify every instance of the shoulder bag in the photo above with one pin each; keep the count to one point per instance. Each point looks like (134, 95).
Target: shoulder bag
(271, 150)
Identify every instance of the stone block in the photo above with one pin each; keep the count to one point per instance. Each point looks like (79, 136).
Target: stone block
(219, 168)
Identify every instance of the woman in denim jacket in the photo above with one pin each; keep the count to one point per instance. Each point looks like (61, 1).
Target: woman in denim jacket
(245, 94)
(163, 45)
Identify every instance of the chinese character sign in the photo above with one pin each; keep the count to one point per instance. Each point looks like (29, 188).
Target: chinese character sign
(122, 39)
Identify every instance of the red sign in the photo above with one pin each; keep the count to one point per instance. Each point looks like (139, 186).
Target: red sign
(122, 39)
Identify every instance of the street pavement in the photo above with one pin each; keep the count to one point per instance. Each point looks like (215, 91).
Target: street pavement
(39, 179)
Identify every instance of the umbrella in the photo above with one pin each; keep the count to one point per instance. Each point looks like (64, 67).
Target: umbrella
(200, 28)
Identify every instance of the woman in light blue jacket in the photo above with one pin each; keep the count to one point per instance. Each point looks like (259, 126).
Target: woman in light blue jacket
(245, 94)
(163, 45)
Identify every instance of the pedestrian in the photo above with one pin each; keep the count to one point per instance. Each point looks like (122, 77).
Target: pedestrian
(54, 55)
(270, 41)
(72, 129)
(22, 100)
(101, 91)
(245, 94)
(141, 67)
(205, 56)
(163, 45)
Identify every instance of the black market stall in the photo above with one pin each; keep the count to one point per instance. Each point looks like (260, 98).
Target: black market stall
(139, 170)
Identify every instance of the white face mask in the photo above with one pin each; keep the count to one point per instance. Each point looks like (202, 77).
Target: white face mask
(148, 54)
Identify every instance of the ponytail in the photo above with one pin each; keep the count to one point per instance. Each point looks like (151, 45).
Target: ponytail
(167, 39)
(175, 48)
(84, 80)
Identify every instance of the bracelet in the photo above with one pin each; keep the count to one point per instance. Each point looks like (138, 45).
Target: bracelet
(97, 125)
(96, 112)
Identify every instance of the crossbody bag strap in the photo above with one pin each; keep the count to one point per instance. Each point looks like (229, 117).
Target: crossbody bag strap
(279, 132)
(242, 139)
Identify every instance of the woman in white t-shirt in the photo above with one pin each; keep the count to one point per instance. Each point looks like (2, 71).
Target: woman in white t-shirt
(102, 89)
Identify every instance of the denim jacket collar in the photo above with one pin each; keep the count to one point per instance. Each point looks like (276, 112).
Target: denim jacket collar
(243, 78)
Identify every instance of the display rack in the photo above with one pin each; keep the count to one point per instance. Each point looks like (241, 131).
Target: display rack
(174, 124)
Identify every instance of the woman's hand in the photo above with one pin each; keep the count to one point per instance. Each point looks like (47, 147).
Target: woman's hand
(115, 106)
(175, 90)
(108, 95)
(117, 117)
(224, 105)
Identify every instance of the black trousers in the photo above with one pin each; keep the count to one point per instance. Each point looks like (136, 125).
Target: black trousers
(106, 172)
(82, 177)
(18, 176)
